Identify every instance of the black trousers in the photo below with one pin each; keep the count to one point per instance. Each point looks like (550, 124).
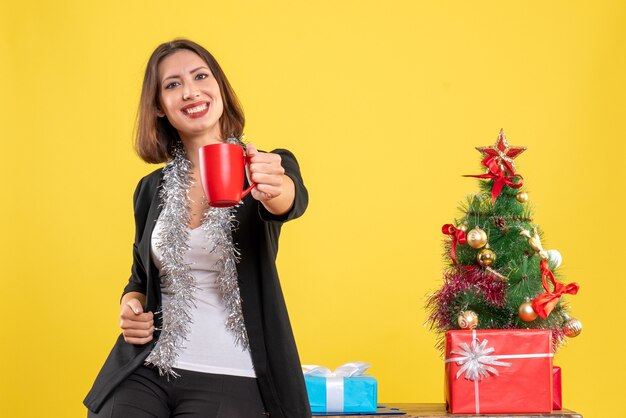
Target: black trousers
(145, 394)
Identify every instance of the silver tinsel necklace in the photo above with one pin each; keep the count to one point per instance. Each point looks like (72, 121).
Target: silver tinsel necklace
(178, 281)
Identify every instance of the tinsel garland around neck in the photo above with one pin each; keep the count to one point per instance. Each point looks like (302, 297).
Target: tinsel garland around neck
(178, 281)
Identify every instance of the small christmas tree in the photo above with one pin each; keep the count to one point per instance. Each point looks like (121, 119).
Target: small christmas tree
(499, 275)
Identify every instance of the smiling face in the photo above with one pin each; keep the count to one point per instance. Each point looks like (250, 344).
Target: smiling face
(189, 96)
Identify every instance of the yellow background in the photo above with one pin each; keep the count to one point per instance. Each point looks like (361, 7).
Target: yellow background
(383, 103)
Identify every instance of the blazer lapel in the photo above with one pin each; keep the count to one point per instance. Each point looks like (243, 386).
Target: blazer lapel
(152, 272)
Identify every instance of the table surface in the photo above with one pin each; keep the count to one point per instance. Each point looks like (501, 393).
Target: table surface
(434, 410)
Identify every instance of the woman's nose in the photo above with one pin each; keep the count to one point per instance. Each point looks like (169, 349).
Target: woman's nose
(190, 94)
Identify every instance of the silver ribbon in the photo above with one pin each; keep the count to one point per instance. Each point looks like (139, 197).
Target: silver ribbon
(217, 224)
(475, 360)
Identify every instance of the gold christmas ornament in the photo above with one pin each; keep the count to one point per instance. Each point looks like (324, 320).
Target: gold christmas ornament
(462, 227)
(535, 242)
(476, 238)
(468, 320)
(486, 257)
(526, 312)
(572, 328)
(522, 197)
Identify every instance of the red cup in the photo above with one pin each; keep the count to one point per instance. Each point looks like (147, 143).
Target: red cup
(222, 174)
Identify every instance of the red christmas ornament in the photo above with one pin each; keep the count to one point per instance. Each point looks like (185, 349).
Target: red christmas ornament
(502, 153)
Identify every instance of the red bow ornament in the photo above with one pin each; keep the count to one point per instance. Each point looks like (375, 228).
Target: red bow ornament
(545, 302)
(458, 235)
(499, 176)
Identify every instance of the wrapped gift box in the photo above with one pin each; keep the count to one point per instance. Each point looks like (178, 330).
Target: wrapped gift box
(498, 371)
(345, 390)
(557, 397)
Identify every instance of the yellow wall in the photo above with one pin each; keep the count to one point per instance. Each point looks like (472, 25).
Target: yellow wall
(383, 103)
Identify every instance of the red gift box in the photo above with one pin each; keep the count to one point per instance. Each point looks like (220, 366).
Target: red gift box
(557, 397)
(499, 371)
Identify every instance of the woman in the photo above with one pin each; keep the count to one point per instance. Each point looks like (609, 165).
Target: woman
(205, 330)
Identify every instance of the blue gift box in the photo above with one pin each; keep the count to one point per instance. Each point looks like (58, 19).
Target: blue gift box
(360, 393)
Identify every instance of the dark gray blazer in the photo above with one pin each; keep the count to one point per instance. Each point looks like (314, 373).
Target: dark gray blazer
(273, 348)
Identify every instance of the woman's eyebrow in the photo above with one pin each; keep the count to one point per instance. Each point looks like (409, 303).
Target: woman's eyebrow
(190, 72)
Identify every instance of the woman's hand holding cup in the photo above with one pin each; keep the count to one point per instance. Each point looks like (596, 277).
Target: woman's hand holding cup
(266, 171)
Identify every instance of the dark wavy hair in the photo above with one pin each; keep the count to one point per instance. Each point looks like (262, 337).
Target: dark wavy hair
(155, 137)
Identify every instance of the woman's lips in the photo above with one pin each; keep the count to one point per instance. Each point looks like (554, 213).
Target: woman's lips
(196, 111)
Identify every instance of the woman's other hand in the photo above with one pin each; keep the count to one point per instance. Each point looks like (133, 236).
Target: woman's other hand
(137, 325)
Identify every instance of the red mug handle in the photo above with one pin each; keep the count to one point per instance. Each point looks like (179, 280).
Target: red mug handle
(246, 160)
